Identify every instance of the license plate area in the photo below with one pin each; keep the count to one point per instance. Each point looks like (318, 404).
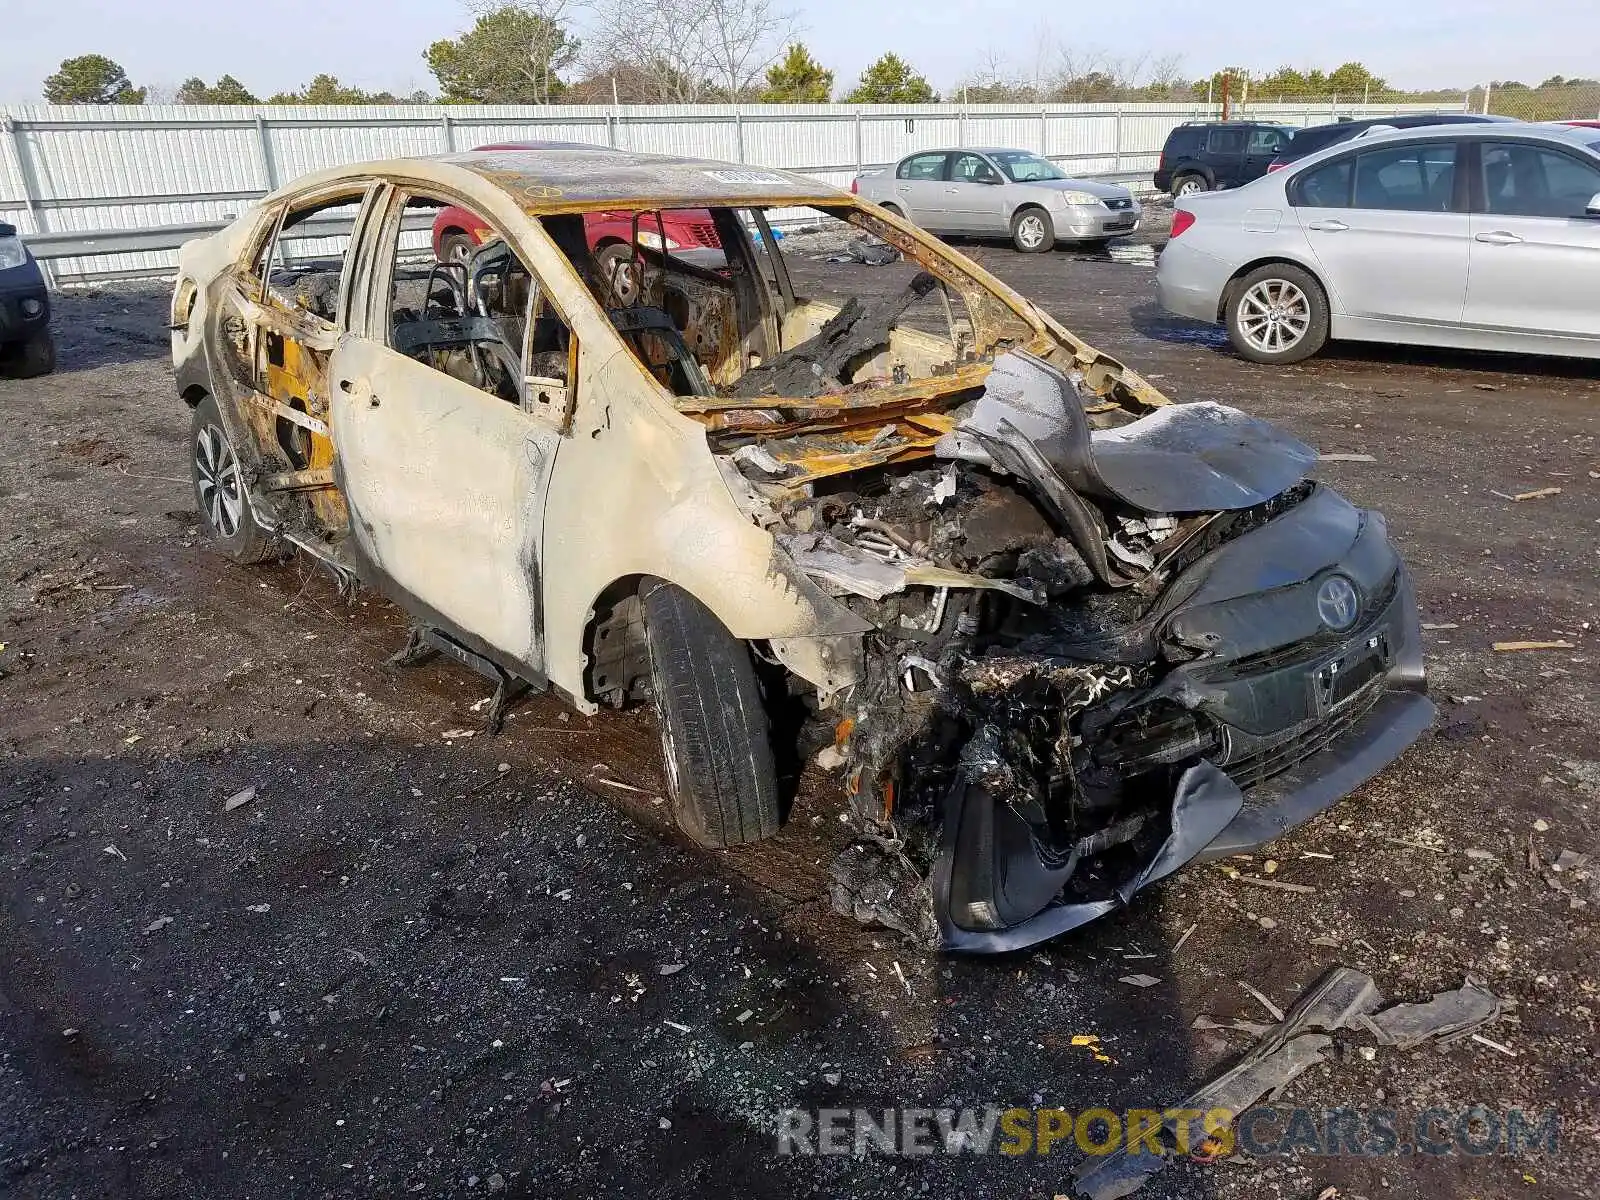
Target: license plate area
(1337, 680)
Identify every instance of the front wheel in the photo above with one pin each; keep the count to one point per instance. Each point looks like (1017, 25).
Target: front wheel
(715, 737)
(1277, 314)
(1188, 185)
(620, 271)
(1032, 231)
(219, 490)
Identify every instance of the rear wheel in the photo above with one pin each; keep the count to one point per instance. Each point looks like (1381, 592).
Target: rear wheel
(1278, 313)
(714, 731)
(1189, 184)
(892, 208)
(1032, 231)
(219, 491)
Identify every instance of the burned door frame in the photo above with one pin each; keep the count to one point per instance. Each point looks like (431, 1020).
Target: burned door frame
(281, 402)
(448, 482)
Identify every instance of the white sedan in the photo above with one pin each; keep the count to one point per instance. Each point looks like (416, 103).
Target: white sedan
(1477, 237)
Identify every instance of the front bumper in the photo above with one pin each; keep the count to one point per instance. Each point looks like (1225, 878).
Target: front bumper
(23, 289)
(1088, 222)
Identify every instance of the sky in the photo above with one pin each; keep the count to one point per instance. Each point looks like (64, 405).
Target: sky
(378, 44)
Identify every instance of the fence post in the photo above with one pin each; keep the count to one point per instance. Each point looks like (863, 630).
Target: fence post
(738, 132)
(30, 194)
(1487, 88)
(1116, 161)
(269, 172)
(859, 161)
(961, 125)
(449, 132)
(1044, 132)
(611, 129)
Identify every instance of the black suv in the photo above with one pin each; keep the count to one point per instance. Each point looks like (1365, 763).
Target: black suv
(1202, 155)
(26, 348)
(1320, 137)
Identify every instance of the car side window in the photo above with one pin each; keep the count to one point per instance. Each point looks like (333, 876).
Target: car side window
(301, 265)
(476, 313)
(1327, 186)
(1520, 180)
(922, 166)
(1412, 178)
(972, 168)
(1266, 141)
(1227, 141)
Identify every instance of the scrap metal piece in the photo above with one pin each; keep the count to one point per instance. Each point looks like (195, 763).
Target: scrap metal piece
(1446, 1016)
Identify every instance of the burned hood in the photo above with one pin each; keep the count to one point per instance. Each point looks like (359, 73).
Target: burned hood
(1200, 457)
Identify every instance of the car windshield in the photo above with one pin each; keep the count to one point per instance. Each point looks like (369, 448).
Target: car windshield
(1022, 167)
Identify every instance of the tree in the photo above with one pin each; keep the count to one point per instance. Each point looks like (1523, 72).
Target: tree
(91, 79)
(511, 55)
(228, 90)
(687, 51)
(1353, 79)
(742, 38)
(798, 79)
(326, 89)
(891, 80)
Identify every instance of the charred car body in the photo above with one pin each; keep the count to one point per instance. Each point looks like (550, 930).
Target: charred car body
(1057, 635)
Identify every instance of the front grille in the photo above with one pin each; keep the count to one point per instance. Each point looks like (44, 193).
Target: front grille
(704, 233)
(1373, 611)
(1258, 768)
(1120, 205)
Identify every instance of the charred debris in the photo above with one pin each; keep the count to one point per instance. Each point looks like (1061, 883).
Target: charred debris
(1012, 555)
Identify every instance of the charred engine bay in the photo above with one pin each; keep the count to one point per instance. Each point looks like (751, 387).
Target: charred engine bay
(1013, 651)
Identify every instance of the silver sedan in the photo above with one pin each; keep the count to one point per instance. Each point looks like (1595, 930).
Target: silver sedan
(1000, 193)
(1482, 237)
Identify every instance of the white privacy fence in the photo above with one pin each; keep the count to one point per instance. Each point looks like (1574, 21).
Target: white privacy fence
(68, 169)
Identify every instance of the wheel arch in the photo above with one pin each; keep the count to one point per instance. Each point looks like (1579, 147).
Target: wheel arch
(1266, 260)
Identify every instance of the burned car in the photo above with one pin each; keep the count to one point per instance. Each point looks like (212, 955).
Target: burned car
(1055, 635)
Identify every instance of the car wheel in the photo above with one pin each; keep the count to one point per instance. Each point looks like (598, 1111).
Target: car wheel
(219, 491)
(1032, 231)
(1277, 314)
(1188, 185)
(36, 356)
(456, 247)
(714, 731)
(620, 272)
(894, 209)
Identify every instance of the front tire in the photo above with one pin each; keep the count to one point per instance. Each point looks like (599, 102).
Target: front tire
(1032, 231)
(1277, 314)
(620, 271)
(456, 247)
(715, 740)
(219, 490)
(32, 358)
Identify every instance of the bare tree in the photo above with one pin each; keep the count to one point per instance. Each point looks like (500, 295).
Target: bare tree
(690, 50)
(742, 39)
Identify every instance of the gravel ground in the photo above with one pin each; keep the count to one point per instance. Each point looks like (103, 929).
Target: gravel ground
(414, 963)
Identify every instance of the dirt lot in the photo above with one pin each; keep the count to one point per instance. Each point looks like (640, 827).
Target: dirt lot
(423, 963)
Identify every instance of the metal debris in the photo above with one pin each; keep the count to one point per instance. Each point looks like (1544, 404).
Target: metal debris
(1142, 981)
(239, 799)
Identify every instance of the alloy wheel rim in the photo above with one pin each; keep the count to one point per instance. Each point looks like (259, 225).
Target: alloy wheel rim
(1030, 231)
(218, 480)
(1274, 316)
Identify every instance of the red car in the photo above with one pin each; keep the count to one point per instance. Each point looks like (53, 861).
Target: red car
(457, 232)
(1585, 124)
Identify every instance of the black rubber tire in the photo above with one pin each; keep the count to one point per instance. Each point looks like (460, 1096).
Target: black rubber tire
(1189, 176)
(1046, 243)
(893, 208)
(456, 246)
(1316, 334)
(29, 359)
(248, 543)
(715, 738)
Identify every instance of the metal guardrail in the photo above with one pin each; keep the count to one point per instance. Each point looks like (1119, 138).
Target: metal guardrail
(52, 247)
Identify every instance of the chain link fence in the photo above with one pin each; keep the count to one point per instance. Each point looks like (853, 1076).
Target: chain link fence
(1575, 101)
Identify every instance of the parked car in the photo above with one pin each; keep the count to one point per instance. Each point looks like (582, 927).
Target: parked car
(1320, 137)
(1201, 156)
(456, 232)
(1478, 236)
(1000, 193)
(26, 347)
(1055, 629)
(1583, 124)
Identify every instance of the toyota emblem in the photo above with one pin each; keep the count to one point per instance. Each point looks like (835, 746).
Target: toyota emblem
(1337, 603)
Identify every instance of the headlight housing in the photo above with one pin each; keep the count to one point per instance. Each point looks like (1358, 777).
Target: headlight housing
(651, 240)
(1078, 198)
(11, 252)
